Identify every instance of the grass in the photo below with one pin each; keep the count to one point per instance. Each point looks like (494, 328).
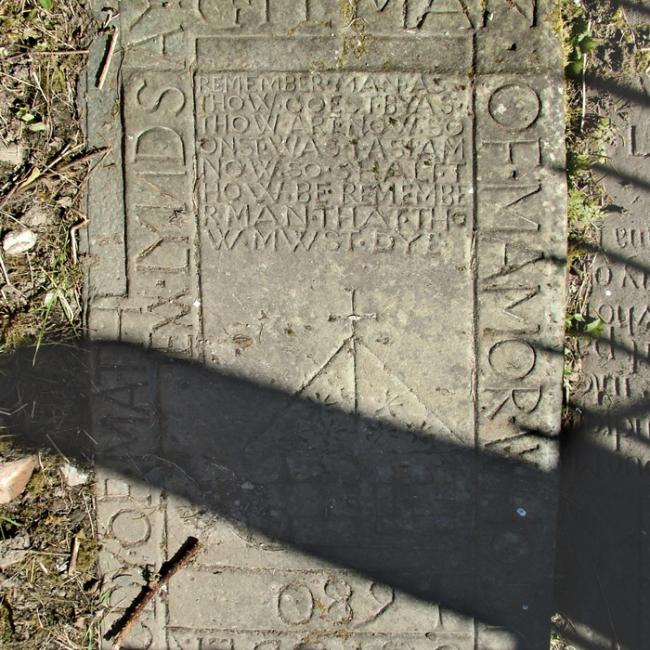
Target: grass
(588, 136)
(558, 635)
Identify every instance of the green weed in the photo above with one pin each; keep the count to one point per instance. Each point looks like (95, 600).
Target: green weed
(580, 44)
(579, 325)
(584, 213)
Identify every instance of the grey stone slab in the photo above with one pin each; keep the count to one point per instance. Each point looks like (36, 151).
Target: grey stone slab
(334, 296)
(605, 570)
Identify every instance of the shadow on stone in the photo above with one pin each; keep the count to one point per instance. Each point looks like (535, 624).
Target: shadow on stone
(421, 516)
(618, 90)
(626, 263)
(599, 588)
(622, 177)
(637, 6)
(602, 579)
(413, 511)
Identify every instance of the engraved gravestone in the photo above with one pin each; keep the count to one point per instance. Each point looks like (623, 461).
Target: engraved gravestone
(337, 227)
(605, 570)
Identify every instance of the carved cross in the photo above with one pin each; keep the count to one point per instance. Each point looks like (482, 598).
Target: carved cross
(354, 317)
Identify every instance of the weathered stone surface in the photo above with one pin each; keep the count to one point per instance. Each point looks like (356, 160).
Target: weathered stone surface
(604, 585)
(342, 233)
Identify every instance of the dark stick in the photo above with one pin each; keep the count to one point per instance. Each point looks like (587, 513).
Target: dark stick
(122, 627)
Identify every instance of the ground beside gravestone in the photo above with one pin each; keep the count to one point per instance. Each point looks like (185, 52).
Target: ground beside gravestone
(47, 534)
(329, 243)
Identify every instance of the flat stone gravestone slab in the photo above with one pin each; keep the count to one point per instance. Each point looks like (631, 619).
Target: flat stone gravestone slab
(338, 229)
(605, 571)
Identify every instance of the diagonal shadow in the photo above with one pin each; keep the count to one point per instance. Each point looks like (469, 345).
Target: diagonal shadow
(603, 530)
(625, 261)
(637, 6)
(408, 508)
(613, 87)
(622, 176)
(466, 534)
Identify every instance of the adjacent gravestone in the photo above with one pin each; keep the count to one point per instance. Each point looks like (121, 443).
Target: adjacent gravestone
(604, 570)
(338, 226)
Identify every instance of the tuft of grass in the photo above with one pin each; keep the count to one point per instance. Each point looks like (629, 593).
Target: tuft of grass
(584, 214)
(580, 45)
(579, 325)
(560, 626)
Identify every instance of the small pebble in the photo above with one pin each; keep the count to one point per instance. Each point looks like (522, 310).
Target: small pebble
(35, 217)
(14, 477)
(12, 154)
(73, 476)
(65, 201)
(18, 242)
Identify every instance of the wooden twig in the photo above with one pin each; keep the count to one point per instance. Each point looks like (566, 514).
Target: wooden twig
(106, 64)
(583, 111)
(73, 238)
(18, 55)
(53, 169)
(80, 159)
(4, 271)
(74, 554)
(185, 554)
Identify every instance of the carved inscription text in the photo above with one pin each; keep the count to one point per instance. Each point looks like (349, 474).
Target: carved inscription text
(332, 163)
